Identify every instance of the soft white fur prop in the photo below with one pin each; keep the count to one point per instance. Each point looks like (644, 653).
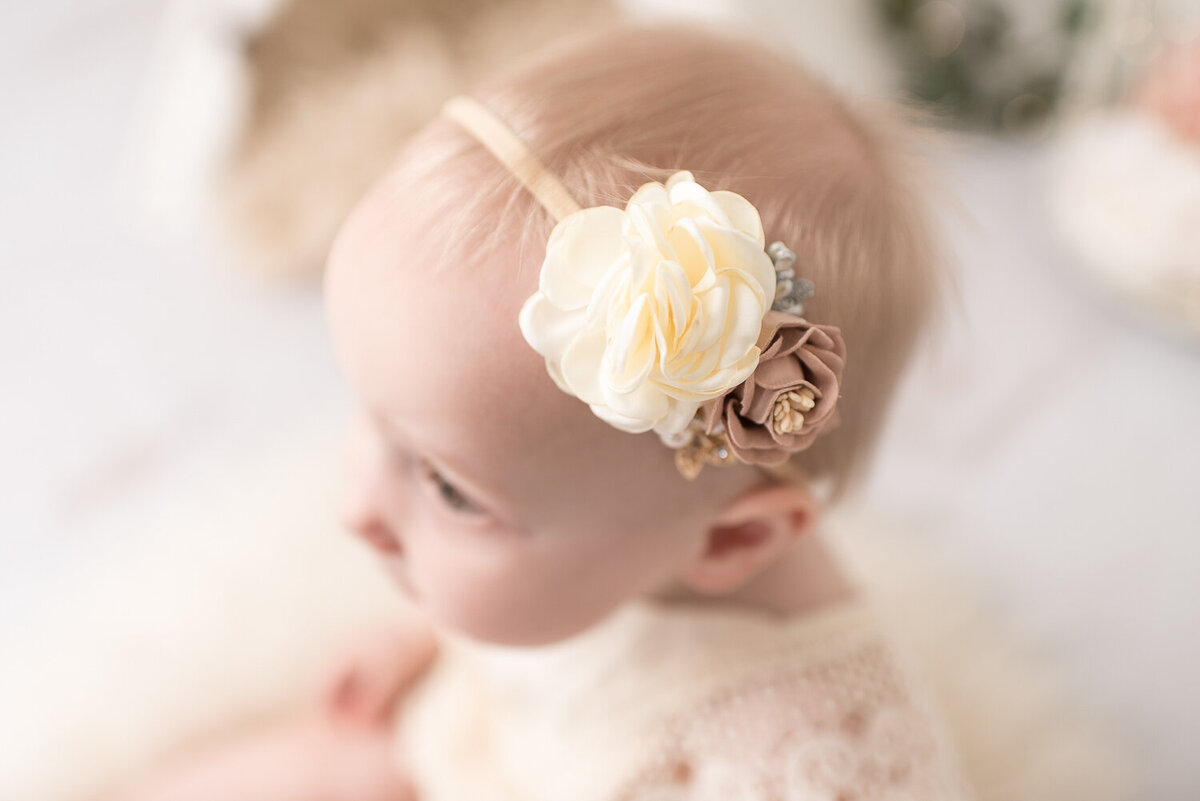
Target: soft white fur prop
(226, 610)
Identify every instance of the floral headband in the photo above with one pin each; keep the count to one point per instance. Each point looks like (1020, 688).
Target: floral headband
(671, 316)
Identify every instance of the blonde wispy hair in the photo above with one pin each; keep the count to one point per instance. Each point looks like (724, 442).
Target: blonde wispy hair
(612, 110)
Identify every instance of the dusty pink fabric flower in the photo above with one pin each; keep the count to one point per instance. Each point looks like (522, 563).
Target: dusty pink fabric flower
(759, 415)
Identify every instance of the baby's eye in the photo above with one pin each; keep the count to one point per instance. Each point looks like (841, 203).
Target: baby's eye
(451, 496)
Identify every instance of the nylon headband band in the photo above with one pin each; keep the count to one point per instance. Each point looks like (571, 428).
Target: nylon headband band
(491, 132)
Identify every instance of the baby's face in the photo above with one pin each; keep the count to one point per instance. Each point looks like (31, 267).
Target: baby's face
(507, 511)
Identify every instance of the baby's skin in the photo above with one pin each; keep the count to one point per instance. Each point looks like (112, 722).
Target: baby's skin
(505, 509)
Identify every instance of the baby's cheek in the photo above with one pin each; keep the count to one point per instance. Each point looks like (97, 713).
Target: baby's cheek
(497, 593)
(462, 585)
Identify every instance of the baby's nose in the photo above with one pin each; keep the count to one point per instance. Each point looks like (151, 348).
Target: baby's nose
(362, 517)
(362, 508)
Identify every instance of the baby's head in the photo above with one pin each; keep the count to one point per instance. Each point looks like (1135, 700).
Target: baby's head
(510, 511)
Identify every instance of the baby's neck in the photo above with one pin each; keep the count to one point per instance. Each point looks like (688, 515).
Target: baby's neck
(805, 578)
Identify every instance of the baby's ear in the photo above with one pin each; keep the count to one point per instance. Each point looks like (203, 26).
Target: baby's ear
(748, 534)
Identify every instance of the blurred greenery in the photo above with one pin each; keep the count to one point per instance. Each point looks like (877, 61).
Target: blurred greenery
(966, 58)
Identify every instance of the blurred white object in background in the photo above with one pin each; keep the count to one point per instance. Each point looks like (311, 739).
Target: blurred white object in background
(1126, 196)
(1125, 184)
(196, 95)
(268, 119)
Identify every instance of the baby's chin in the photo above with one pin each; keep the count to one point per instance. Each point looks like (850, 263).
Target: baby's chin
(491, 621)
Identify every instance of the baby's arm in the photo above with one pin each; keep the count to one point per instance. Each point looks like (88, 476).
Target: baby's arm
(344, 751)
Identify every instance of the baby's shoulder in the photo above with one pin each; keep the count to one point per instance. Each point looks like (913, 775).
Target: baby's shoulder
(845, 720)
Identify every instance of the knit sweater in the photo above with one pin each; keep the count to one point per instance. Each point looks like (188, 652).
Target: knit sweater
(669, 702)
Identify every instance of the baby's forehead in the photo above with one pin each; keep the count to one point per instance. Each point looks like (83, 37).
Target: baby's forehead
(428, 337)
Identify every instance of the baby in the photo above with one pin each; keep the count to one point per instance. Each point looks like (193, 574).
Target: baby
(619, 325)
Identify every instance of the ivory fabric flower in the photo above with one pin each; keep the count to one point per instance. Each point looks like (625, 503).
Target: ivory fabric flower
(648, 313)
(789, 399)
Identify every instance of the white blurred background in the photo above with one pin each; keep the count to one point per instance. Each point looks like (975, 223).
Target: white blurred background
(1057, 471)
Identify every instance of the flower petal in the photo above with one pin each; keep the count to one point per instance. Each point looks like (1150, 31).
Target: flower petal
(743, 320)
(691, 250)
(650, 193)
(716, 382)
(673, 295)
(581, 250)
(710, 314)
(632, 425)
(547, 328)
(631, 352)
(734, 250)
(580, 365)
(741, 214)
(689, 193)
(678, 418)
(646, 403)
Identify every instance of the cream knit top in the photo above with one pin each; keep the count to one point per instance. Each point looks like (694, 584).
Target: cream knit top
(666, 702)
